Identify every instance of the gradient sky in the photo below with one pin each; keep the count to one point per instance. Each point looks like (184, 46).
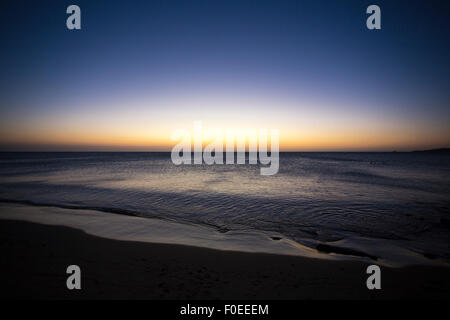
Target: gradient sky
(140, 69)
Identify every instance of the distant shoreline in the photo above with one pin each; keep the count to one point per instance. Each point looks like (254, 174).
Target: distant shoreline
(439, 150)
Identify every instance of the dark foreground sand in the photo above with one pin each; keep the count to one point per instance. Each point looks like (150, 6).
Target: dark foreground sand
(35, 257)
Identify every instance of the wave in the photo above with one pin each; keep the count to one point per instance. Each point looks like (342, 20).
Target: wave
(73, 207)
(125, 212)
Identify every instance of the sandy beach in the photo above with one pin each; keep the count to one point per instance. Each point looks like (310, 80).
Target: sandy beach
(35, 258)
(181, 151)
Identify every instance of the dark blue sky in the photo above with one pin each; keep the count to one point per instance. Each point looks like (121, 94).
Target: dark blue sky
(310, 68)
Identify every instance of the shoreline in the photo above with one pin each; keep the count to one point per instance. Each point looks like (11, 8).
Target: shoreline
(124, 227)
(35, 258)
(153, 230)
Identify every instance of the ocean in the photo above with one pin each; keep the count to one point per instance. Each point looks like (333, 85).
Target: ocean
(316, 199)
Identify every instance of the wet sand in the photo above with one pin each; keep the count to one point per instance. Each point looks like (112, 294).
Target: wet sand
(35, 258)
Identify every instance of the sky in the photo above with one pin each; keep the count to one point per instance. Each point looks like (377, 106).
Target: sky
(139, 70)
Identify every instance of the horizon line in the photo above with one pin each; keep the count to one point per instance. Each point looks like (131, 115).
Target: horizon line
(281, 151)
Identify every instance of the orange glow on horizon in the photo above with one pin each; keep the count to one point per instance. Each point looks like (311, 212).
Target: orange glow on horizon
(302, 126)
(161, 141)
